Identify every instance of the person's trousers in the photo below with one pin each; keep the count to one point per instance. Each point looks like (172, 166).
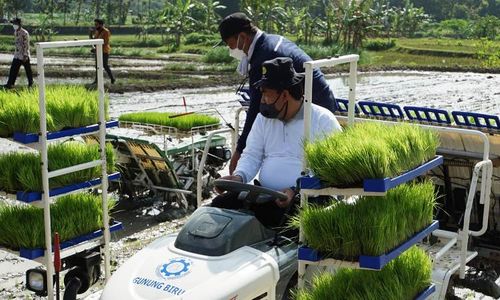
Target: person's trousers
(14, 71)
(105, 58)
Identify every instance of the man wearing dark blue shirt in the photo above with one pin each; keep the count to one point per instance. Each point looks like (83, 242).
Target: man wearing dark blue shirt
(252, 47)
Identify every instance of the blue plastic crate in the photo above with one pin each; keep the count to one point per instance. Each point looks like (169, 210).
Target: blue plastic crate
(28, 138)
(476, 120)
(373, 262)
(36, 196)
(39, 252)
(382, 184)
(382, 110)
(424, 114)
(343, 106)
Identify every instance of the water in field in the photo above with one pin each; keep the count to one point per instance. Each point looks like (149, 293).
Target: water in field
(451, 91)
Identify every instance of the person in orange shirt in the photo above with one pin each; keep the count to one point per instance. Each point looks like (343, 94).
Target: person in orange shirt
(101, 32)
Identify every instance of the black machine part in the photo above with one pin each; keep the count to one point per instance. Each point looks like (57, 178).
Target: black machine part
(214, 231)
(252, 194)
(85, 267)
(72, 288)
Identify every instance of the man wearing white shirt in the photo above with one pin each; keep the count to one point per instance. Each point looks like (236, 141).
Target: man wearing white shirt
(275, 143)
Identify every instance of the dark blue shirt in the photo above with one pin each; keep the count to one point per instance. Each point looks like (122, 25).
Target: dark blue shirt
(267, 47)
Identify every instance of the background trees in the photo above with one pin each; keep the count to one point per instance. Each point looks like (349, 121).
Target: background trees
(345, 23)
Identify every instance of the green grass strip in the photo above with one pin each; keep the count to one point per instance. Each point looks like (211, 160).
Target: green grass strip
(369, 150)
(22, 226)
(186, 122)
(68, 106)
(21, 170)
(371, 225)
(402, 279)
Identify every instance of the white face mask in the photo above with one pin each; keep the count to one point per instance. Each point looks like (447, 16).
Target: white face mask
(237, 52)
(16, 27)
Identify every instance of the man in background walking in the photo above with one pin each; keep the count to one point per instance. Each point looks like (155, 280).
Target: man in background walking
(21, 54)
(101, 32)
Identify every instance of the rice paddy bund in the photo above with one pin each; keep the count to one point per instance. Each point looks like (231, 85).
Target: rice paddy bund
(67, 106)
(369, 150)
(22, 226)
(370, 225)
(401, 279)
(181, 122)
(21, 170)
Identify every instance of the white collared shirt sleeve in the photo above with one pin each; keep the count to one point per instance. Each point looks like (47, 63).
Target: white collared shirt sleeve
(253, 155)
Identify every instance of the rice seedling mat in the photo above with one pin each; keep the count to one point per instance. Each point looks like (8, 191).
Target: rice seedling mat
(168, 130)
(69, 247)
(313, 186)
(28, 138)
(314, 257)
(29, 197)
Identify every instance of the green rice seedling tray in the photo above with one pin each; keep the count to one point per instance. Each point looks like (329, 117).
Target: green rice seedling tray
(377, 185)
(426, 293)
(28, 138)
(29, 197)
(66, 245)
(367, 262)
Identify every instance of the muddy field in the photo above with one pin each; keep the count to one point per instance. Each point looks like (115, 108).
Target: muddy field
(451, 91)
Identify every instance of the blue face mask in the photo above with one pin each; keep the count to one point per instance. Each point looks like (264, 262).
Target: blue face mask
(270, 111)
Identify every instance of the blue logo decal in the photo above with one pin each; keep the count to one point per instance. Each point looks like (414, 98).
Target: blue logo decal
(174, 268)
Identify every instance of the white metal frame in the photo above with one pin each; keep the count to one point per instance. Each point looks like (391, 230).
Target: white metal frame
(484, 168)
(46, 175)
(236, 133)
(201, 166)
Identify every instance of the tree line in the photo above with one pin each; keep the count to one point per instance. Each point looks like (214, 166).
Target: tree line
(343, 22)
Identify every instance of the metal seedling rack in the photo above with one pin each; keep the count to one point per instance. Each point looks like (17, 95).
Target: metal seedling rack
(43, 199)
(457, 242)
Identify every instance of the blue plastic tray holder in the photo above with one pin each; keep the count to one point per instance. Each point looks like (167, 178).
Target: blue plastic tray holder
(36, 196)
(373, 262)
(379, 184)
(426, 293)
(378, 109)
(382, 185)
(343, 106)
(377, 262)
(427, 114)
(28, 138)
(479, 120)
(38, 252)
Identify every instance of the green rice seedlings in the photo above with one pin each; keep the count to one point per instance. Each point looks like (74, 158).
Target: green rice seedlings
(67, 107)
(22, 172)
(10, 164)
(402, 279)
(186, 122)
(370, 225)
(73, 106)
(22, 226)
(369, 150)
(21, 115)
